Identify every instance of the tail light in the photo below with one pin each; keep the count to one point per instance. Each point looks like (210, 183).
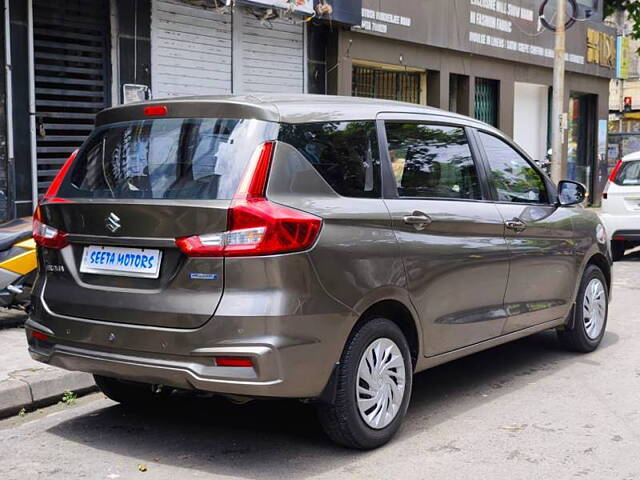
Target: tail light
(47, 236)
(614, 172)
(43, 234)
(256, 226)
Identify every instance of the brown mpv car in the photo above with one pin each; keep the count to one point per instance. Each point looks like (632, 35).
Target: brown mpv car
(313, 247)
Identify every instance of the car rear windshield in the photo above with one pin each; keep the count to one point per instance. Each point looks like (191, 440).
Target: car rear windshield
(168, 158)
(629, 173)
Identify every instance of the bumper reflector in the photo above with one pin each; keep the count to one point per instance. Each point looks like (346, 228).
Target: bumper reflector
(233, 362)
(40, 336)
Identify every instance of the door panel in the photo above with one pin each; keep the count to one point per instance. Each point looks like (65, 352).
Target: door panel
(451, 240)
(457, 269)
(543, 269)
(540, 236)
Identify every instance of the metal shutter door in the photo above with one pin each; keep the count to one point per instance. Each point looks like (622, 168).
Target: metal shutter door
(270, 58)
(72, 81)
(190, 50)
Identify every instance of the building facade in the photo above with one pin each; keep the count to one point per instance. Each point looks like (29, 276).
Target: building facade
(68, 59)
(624, 97)
(72, 58)
(491, 60)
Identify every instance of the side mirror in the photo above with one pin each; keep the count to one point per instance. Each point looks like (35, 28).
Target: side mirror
(571, 193)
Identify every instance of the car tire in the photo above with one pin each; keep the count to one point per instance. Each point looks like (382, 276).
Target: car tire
(617, 250)
(344, 419)
(591, 311)
(129, 393)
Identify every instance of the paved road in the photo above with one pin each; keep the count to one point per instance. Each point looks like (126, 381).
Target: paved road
(526, 410)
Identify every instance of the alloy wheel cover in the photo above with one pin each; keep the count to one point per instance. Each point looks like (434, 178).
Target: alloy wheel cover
(380, 383)
(594, 308)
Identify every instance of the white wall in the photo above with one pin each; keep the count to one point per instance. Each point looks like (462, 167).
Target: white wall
(530, 110)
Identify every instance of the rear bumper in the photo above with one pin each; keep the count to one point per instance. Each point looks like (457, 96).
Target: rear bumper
(624, 225)
(286, 362)
(626, 235)
(187, 373)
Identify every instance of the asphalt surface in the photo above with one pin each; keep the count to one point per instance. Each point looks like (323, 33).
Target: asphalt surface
(525, 410)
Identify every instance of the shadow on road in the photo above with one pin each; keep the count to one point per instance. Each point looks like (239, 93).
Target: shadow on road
(282, 439)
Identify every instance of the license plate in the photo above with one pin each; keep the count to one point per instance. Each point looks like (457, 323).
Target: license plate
(128, 262)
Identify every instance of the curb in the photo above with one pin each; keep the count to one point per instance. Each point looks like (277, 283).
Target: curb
(36, 388)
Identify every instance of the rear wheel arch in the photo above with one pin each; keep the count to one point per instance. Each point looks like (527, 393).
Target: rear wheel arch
(399, 314)
(391, 309)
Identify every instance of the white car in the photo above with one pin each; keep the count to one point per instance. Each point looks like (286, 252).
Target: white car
(621, 205)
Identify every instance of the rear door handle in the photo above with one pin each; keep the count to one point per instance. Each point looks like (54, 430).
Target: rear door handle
(419, 220)
(515, 224)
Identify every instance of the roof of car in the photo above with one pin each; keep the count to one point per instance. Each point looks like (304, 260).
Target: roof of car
(285, 108)
(631, 157)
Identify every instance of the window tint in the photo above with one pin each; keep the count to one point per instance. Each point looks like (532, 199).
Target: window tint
(166, 158)
(513, 177)
(432, 161)
(629, 174)
(344, 153)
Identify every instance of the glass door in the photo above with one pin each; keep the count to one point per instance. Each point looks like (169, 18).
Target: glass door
(581, 148)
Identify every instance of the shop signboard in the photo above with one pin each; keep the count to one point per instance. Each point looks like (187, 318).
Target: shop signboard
(505, 29)
(601, 48)
(622, 57)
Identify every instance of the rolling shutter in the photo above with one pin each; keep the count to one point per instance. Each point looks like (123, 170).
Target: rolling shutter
(192, 54)
(271, 54)
(72, 80)
(190, 50)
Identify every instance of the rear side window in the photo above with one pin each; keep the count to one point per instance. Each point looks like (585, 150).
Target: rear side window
(344, 153)
(628, 174)
(432, 161)
(169, 158)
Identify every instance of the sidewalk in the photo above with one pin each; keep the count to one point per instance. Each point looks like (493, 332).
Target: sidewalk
(25, 383)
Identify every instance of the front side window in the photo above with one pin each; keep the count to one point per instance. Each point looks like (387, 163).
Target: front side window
(344, 153)
(432, 161)
(166, 158)
(513, 177)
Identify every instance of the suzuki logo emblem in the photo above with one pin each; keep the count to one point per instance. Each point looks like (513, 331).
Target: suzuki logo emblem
(113, 223)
